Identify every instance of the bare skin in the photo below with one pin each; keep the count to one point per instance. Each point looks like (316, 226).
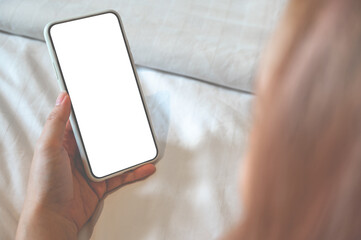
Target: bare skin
(60, 198)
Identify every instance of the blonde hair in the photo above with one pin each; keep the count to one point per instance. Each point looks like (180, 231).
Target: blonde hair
(304, 159)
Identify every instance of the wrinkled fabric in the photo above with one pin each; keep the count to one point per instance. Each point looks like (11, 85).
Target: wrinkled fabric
(215, 41)
(202, 130)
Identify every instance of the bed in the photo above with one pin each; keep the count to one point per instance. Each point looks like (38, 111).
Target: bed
(198, 88)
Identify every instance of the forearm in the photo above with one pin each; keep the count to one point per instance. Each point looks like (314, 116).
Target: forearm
(39, 224)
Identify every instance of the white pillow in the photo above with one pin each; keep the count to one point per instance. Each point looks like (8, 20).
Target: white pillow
(215, 41)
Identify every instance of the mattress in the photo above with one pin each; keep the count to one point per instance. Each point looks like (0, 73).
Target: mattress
(202, 129)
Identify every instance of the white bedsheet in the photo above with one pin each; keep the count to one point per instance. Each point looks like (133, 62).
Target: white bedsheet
(202, 130)
(216, 41)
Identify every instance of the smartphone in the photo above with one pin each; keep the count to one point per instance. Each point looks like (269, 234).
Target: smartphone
(109, 117)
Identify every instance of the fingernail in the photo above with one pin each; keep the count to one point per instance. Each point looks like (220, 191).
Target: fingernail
(60, 98)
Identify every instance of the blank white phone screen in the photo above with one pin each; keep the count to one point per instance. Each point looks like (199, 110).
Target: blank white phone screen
(106, 100)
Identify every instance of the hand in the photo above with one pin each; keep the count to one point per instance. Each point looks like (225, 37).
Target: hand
(60, 198)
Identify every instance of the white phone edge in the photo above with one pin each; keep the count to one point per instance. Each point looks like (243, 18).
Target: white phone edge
(62, 87)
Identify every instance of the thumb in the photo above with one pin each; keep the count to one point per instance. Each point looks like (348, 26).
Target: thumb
(53, 132)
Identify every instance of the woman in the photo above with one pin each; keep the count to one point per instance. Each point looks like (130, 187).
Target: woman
(302, 177)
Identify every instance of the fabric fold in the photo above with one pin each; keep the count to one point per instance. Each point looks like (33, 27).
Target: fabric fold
(215, 41)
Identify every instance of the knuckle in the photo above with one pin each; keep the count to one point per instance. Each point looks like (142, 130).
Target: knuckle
(55, 115)
(52, 116)
(45, 147)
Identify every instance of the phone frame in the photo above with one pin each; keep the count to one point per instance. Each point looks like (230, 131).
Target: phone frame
(73, 120)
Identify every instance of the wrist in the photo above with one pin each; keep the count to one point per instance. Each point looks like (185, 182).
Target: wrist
(39, 223)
